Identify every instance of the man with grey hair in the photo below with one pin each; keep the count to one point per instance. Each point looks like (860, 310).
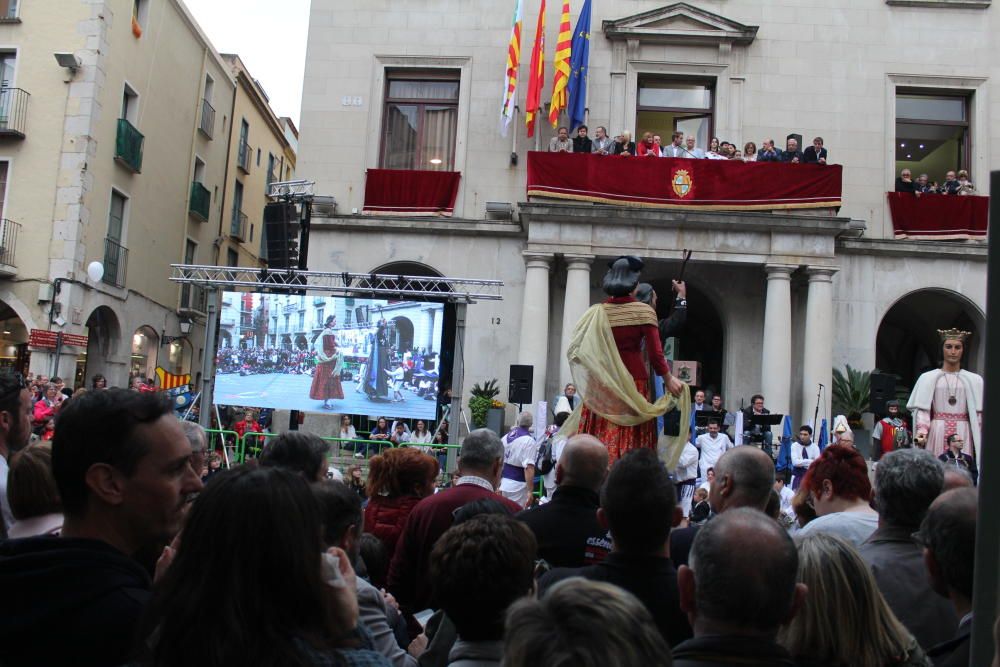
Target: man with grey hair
(906, 483)
(948, 534)
(744, 477)
(519, 452)
(196, 435)
(737, 604)
(480, 462)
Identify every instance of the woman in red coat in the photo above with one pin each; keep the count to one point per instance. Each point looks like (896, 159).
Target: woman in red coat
(326, 377)
(397, 480)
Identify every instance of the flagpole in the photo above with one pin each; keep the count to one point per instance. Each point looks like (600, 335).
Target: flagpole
(513, 141)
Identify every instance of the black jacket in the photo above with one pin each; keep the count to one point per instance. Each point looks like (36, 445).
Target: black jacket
(810, 155)
(567, 530)
(672, 326)
(582, 144)
(719, 651)
(652, 579)
(69, 602)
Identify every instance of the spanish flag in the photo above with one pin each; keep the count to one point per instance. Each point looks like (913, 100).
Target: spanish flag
(536, 75)
(513, 62)
(561, 66)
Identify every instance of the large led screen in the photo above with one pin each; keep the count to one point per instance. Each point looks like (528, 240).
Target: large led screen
(329, 354)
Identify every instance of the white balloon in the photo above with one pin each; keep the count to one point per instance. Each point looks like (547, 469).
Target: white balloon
(95, 271)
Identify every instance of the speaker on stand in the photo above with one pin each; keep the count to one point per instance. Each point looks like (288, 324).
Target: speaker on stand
(519, 391)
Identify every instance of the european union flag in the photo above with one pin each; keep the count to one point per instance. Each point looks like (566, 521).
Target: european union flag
(784, 461)
(579, 62)
(823, 436)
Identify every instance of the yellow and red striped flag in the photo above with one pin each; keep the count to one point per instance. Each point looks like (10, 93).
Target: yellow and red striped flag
(560, 66)
(536, 75)
(170, 380)
(510, 79)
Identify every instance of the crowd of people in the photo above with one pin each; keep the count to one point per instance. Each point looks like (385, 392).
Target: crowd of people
(652, 145)
(954, 183)
(120, 546)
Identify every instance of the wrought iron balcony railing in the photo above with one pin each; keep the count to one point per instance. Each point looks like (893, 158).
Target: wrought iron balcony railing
(201, 199)
(115, 262)
(13, 112)
(243, 157)
(207, 124)
(128, 146)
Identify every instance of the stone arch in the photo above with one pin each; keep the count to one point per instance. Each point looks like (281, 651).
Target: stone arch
(104, 335)
(403, 329)
(907, 343)
(145, 352)
(14, 337)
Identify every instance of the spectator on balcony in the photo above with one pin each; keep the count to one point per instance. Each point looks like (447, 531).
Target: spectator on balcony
(815, 153)
(713, 145)
(950, 185)
(561, 143)
(691, 150)
(769, 153)
(602, 143)
(792, 154)
(749, 152)
(717, 150)
(676, 147)
(905, 182)
(648, 147)
(624, 144)
(965, 186)
(924, 187)
(581, 142)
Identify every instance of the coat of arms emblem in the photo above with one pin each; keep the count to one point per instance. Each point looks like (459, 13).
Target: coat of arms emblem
(681, 180)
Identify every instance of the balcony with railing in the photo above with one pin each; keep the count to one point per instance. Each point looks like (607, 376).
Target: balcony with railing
(243, 157)
(192, 300)
(13, 112)
(115, 262)
(8, 11)
(201, 199)
(239, 225)
(9, 231)
(128, 146)
(207, 124)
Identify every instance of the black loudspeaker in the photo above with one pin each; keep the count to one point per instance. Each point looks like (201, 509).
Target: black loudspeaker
(883, 388)
(281, 234)
(520, 384)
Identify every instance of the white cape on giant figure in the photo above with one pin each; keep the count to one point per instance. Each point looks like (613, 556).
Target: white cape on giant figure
(923, 397)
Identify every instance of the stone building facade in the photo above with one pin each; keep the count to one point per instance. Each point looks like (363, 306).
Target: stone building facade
(777, 299)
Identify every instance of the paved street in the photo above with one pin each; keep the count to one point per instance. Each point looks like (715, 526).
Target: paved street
(291, 392)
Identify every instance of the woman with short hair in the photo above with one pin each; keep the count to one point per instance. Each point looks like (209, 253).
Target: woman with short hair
(398, 479)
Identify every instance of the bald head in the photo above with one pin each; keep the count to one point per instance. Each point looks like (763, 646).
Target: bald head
(744, 477)
(583, 462)
(956, 478)
(948, 533)
(723, 591)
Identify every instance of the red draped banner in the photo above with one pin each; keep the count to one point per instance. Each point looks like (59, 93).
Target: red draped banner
(714, 185)
(409, 192)
(939, 217)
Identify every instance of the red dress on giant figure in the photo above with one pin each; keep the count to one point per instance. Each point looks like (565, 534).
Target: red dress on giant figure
(630, 339)
(326, 382)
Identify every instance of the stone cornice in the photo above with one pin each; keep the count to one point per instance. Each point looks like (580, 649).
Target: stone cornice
(456, 226)
(701, 220)
(973, 252)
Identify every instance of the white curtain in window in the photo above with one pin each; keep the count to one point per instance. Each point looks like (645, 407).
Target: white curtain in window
(440, 124)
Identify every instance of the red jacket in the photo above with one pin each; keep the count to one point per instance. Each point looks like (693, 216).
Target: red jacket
(385, 518)
(630, 339)
(409, 571)
(43, 412)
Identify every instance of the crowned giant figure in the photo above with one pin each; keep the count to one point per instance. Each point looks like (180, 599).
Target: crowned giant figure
(948, 400)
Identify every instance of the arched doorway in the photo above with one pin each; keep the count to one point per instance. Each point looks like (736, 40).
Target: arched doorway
(301, 343)
(14, 354)
(145, 346)
(907, 343)
(104, 333)
(701, 339)
(401, 333)
(178, 357)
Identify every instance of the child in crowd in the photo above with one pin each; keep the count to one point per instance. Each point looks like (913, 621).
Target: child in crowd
(49, 430)
(701, 509)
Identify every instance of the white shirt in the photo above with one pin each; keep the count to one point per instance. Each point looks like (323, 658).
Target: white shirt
(711, 449)
(855, 527)
(475, 481)
(786, 495)
(7, 515)
(558, 443)
(687, 464)
(520, 452)
(799, 461)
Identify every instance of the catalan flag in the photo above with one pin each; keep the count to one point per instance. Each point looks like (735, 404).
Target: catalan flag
(510, 77)
(560, 65)
(171, 380)
(536, 75)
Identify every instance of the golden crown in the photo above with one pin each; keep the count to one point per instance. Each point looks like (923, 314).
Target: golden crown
(953, 334)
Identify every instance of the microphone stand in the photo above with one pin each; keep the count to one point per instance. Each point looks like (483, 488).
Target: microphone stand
(816, 413)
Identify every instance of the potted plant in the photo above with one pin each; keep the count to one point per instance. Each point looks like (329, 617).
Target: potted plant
(481, 402)
(852, 398)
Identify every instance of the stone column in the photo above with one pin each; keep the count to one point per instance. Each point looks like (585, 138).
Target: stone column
(575, 304)
(817, 362)
(776, 361)
(534, 344)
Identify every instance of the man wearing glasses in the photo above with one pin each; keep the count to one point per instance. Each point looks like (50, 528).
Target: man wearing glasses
(15, 432)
